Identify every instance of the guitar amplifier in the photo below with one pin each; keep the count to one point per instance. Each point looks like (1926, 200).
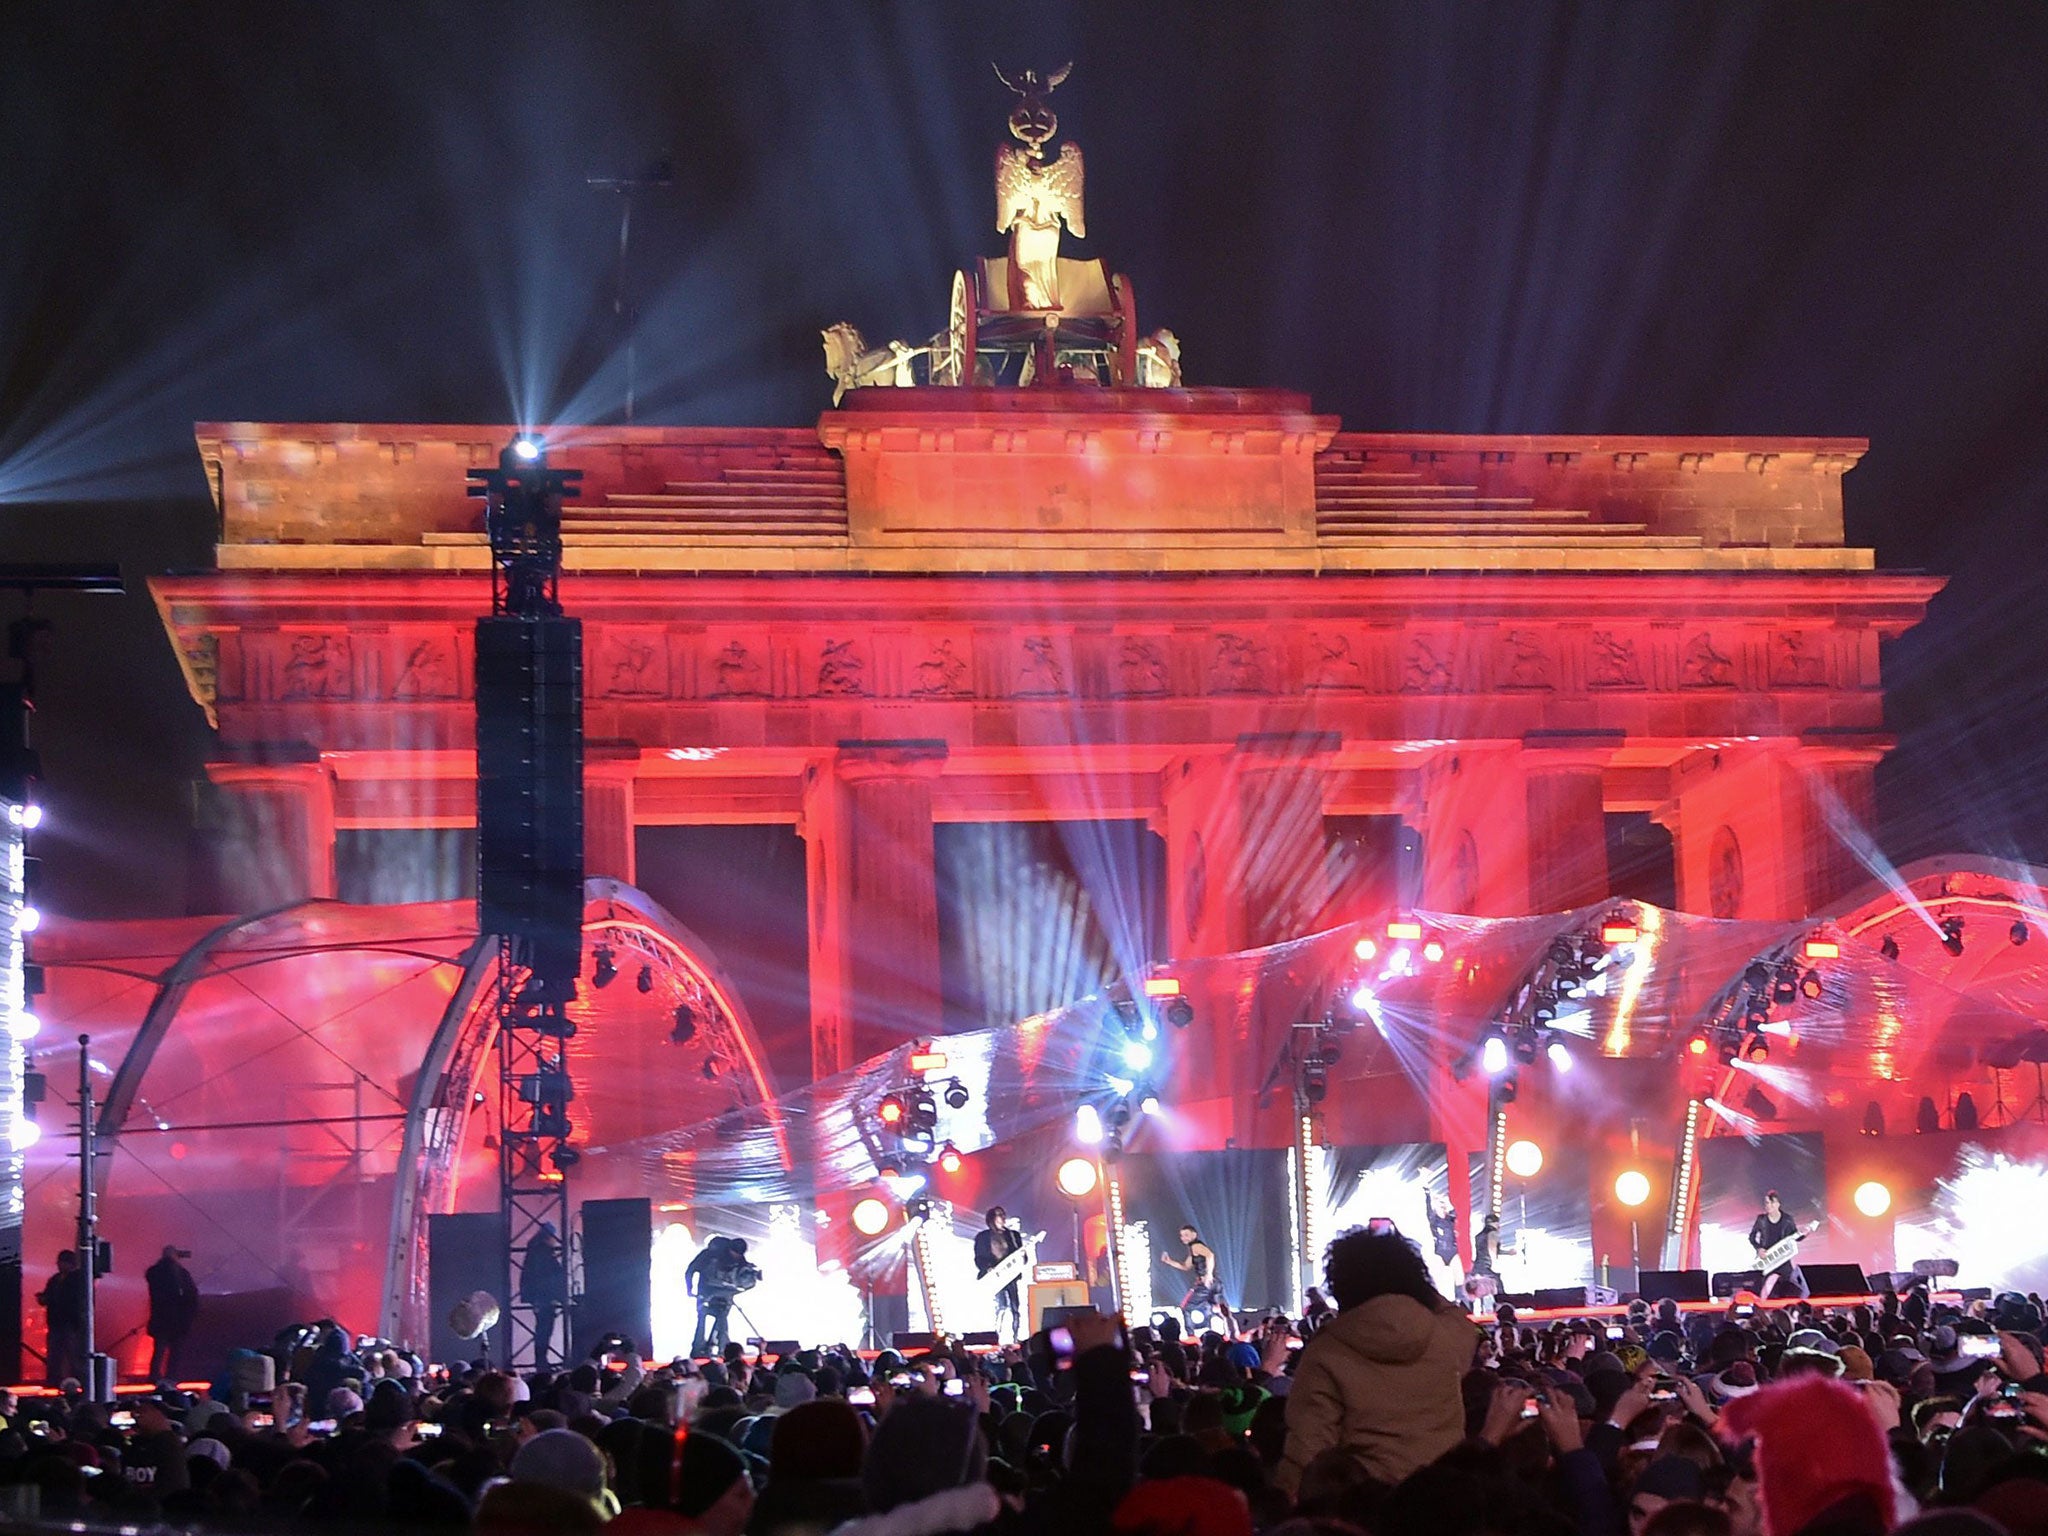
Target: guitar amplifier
(1728, 1283)
(1835, 1279)
(1053, 1274)
(1056, 1295)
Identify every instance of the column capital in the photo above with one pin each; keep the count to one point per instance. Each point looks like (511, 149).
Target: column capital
(910, 759)
(1845, 745)
(1264, 748)
(1571, 749)
(610, 758)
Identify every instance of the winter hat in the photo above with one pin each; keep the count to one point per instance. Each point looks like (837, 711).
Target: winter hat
(817, 1441)
(710, 1468)
(1243, 1354)
(1817, 1445)
(923, 1446)
(561, 1458)
(211, 1449)
(388, 1407)
(341, 1403)
(1671, 1477)
(1738, 1380)
(1184, 1506)
(793, 1388)
(1813, 1338)
(1239, 1404)
(1856, 1364)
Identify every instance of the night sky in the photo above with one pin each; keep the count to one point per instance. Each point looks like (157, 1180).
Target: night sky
(1705, 218)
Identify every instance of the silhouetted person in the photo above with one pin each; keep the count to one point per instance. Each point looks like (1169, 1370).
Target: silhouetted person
(544, 1286)
(173, 1308)
(63, 1300)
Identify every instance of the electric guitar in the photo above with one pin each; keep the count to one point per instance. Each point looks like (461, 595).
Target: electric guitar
(1011, 1266)
(1782, 1251)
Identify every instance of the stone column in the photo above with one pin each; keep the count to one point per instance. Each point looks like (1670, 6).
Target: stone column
(609, 849)
(1475, 832)
(1838, 772)
(874, 918)
(280, 829)
(1738, 822)
(1567, 823)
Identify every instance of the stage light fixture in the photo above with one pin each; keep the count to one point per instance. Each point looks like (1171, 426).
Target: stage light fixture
(891, 1110)
(1785, 987)
(925, 1060)
(919, 1209)
(1823, 949)
(1404, 929)
(1560, 1056)
(1809, 986)
(949, 1159)
(1618, 931)
(1952, 935)
(1525, 1049)
(30, 919)
(1315, 1082)
(527, 450)
(23, 1025)
(1365, 949)
(565, 1158)
(1137, 1055)
(683, 1028)
(1872, 1198)
(710, 1069)
(1525, 1159)
(645, 980)
(1180, 1013)
(1148, 1104)
(1926, 1118)
(1432, 952)
(1198, 1318)
(1506, 1090)
(1330, 1052)
(1362, 998)
(2018, 932)
(1088, 1125)
(26, 1133)
(1119, 1117)
(1758, 1049)
(603, 969)
(1697, 1045)
(956, 1094)
(1493, 1055)
(1632, 1187)
(1889, 948)
(1162, 986)
(1076, 1178)
(1873, 1119)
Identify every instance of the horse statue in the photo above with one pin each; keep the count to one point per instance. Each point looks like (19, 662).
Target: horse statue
(853, 364)
(1159, 361)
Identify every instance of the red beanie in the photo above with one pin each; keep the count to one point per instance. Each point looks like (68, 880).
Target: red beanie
(1817, 1444)
(1184, 1506)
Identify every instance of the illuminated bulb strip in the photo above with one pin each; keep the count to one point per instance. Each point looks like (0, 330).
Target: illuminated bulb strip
(1134, 1250)
(1127, 1283)
(1497, 1163)
(1682, 1180)
(16, 1020)
(1314, 1213)
(921, 1250)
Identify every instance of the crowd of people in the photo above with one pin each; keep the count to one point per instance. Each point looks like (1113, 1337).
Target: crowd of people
(1387, 1411)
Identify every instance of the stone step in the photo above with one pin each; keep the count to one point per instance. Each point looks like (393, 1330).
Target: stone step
(1413, 537)
(827, 473)
(737, 527)
(731, 496)
(1488, 506)
(653, 539)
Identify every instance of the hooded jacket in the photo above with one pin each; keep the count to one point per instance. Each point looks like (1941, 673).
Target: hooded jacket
(1380, 1380)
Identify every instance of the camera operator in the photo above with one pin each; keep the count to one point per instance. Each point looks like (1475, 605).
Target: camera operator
(714, 1278)
(173, 1308)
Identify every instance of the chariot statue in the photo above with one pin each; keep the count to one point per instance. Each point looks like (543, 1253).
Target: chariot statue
(1032, 315)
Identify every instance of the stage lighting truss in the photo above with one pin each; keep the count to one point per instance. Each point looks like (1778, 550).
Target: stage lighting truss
(1753, 1011)
(523, 520)
(1551, 1010)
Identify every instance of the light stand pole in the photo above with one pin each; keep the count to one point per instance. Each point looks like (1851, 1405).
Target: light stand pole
(99, 1384)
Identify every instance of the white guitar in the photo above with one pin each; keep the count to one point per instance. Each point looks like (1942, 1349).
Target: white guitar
(1012, 1265)
(1782, 1251)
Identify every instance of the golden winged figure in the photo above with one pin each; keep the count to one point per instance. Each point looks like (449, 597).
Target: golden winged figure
(1033, 197)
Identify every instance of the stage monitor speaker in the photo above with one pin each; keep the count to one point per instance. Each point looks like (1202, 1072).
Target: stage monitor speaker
(529, 787)
(780, 1347)
(1558, 1297)
(10, 1311)
(1674, 1285)
(465, 1254)
(1728, 1282)
(618, 1275)
(1835, 1279)
(1044, 1295)
(1060, 1316)
(987, 1340)
(908, 1341)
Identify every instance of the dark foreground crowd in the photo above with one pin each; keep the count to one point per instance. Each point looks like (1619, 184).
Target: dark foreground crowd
(1395, 1415)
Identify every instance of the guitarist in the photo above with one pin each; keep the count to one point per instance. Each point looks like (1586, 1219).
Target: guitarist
(994, 1243)
(1768, 1230)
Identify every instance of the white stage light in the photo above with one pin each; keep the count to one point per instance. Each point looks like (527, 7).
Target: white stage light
(1137, 1055)
(30, 920)
(870, 1217)
(1493, 1055)
(1076, 1177)
(26, 1134)
(23, 1024)
(1525, 1159)
(1149, 1104)
(1088, 1125)
(1560, 1057)
(1872, 1198)
(526, 448)
(1632, 1187)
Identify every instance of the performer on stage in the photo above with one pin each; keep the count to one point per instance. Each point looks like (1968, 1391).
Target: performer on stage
(713, 1279)
(544, 1286)
(1768, 1230)
(1207, 1290)
(1443, 1229)
(994, 1243)
(1486, 1247)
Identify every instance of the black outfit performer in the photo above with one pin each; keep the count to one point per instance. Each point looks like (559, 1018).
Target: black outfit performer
(1770, 1228)
(994, 1243)
(63, 1301)
(544, 1286)
(173, 1307)
(1200, 1265)
(715, 1277)
(1443, 1229)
